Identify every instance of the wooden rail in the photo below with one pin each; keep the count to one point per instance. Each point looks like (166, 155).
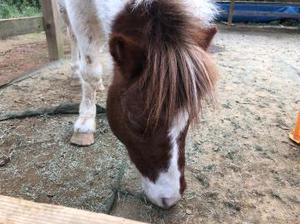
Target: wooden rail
(258, 28)
(18, 211)
(265, 1)
(18, 26)
(269, 14)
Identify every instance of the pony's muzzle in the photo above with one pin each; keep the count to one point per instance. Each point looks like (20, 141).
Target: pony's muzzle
(169, 202)
(164, 202)
(164, 192)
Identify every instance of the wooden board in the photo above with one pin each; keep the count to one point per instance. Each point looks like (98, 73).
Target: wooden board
(264, 1)
(268, 14)
(18, 211)
(258, 28)
(230, 13)
(52, 26)
(18, 26)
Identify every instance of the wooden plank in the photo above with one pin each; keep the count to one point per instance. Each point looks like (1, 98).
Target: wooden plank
(18, 211)
(52, 26)
(294, 2)
(230, 13)
(18, 26)
(259, 28)
(268, 14)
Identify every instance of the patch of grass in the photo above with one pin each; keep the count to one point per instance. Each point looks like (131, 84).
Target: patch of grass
(12, 11)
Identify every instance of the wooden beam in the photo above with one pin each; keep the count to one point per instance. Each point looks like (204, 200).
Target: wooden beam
(52, 26)
(18, 26)
(230, 13)
(265, 2)
(259, 28)
(267, 14)
(18, 211)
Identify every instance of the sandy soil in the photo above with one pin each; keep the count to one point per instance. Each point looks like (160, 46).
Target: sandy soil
(241, 167)
(23, 54)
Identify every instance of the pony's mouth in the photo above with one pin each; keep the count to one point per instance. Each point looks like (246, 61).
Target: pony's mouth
(164, 203)
(169, 202)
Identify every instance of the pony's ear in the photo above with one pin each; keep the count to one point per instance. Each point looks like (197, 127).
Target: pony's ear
(205, 36)
(128, 55)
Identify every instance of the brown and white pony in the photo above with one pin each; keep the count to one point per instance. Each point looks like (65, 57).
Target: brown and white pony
(162, 74)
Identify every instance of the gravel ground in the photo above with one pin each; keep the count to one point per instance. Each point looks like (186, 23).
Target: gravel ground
(241, 167)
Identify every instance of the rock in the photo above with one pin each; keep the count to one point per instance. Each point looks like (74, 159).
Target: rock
(188, 211)
(4, 160)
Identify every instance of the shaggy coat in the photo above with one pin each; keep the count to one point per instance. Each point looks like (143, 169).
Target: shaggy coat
(162, 74)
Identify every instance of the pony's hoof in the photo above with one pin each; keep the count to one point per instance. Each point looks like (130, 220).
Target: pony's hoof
(82, 139)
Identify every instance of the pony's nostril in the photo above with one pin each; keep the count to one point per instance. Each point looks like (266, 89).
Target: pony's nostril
(168, 202)
(164, 203)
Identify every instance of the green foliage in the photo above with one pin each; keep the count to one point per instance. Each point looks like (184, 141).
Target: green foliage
(19, 8)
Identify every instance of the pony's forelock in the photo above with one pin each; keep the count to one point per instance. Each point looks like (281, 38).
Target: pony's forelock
(178, 75)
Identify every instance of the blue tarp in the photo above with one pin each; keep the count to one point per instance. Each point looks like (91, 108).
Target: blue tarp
(280, 7)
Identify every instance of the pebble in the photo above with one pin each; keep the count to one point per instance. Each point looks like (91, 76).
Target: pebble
(188, 211)
(4, 160)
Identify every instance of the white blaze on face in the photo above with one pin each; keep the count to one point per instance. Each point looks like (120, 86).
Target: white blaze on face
(165, 192)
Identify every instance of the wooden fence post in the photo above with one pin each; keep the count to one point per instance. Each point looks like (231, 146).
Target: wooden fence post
(52, 28)
(230, 13)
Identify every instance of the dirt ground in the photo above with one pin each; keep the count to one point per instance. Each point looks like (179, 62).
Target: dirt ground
(241, 166)
(23, 54)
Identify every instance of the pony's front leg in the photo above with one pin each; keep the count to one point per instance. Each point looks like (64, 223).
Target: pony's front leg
(75, 62)
(86, 29)
(91, 71)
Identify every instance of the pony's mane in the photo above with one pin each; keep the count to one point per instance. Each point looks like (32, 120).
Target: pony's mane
(178, 73)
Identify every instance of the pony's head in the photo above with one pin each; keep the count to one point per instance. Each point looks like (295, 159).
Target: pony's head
(162, 75)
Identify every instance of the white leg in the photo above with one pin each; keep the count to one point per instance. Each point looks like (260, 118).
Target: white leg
(74, 56)
(86, 30)
(91, 70)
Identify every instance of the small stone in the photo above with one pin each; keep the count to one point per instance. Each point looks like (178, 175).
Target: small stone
(4, 160)
(40, 164)
(258, 148)
(188, 211)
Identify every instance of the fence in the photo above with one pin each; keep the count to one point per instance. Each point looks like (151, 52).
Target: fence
(49, 22)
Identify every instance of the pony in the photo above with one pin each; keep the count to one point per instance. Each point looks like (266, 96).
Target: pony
(162, 75)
